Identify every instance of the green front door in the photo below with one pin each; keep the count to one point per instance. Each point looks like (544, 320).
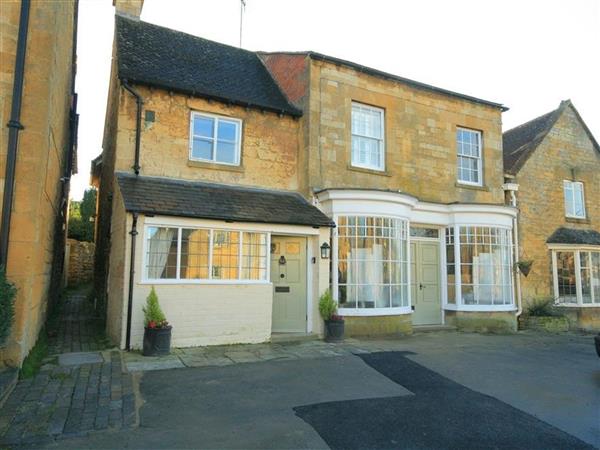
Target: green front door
(288, 275)
(425, 282)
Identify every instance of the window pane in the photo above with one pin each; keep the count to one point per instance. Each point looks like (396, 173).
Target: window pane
(226, 152)
(254, 256)
(203, 126)
(578, 200)
(371, 262)
(225, 255)
(227, 131)
(194, 254)
(202, 149)
(366, 152)
(596, 276)
(565, 269)
(161, 256)
(485, 269)
(366, 121)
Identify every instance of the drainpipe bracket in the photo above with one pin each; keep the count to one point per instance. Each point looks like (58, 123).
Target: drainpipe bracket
(15, 124)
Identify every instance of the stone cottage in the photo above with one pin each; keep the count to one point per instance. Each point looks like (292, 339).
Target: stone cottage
(555, 161)
(242, 185)
(37, 156)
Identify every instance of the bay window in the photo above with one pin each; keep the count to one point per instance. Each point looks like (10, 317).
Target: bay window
(177, 253)
(372, 263)
(576, 274)
(478, 265)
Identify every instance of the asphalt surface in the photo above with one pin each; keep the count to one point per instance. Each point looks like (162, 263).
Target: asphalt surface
(438, 390)
(440, 414)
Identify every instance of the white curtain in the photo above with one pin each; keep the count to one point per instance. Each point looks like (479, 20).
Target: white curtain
(369, 277)
(159, 245)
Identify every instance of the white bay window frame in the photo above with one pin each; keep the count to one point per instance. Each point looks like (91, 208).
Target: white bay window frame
(459, 305)
(210, 279)
(595, 302)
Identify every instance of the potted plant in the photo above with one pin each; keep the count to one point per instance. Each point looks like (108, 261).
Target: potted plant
(334, 324)
(157, 331)
(525, 266)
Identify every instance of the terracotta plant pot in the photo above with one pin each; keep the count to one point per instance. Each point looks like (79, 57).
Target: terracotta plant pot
(157, 341)
(334, 330)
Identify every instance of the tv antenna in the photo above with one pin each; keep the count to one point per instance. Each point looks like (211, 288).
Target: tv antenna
(242, 9)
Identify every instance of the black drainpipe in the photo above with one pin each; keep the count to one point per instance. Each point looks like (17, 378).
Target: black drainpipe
(14, 126)
(138, 124)
(133, 234)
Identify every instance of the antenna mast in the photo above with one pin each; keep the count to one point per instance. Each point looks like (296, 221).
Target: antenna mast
(242, 9)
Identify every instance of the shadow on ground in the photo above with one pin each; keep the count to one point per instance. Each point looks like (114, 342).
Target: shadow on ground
(441, 414)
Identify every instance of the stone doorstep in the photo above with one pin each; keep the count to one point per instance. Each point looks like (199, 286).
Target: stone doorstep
(79, 358)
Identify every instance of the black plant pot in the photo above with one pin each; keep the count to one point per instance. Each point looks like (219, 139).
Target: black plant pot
(597, 340)
(334, 330)
(157, 341)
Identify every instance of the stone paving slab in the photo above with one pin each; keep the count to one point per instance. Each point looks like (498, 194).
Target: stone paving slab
(79, 358)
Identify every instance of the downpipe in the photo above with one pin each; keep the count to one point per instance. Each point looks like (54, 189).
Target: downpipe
(138, 124)
(133, 234)
(513, 201)
(14, 127)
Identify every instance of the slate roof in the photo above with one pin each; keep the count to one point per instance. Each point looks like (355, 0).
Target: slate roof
(157, 56)
(171, 197)
(574, 236)
(520, 142)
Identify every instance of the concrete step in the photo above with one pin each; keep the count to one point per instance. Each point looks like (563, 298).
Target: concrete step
(432, 328)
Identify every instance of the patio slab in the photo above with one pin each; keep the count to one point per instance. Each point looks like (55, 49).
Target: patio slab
(79, 358)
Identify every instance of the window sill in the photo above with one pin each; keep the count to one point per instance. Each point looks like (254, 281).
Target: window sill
(358, 312)
(215, 166)
(458, 184)
(384, 173)
(480, 308)
(583, 220)
(577, 305)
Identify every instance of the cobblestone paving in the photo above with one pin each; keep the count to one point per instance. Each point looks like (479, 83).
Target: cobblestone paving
(62, 401)
(78, 330)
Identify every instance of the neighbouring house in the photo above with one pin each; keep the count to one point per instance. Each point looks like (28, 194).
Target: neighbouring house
(555, 161)
(242, 185)
(37, 157)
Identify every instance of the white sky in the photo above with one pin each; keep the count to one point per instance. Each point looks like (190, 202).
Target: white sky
(526, 54)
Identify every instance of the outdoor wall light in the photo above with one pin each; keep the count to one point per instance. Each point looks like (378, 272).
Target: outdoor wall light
(325, 251)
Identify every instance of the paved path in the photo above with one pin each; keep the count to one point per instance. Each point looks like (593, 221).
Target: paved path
(74, 392)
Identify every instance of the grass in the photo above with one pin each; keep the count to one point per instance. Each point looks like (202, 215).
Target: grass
(33, 361)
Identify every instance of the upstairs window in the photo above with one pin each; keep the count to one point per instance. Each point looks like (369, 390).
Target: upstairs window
(574, 201)
(215, 139)
(368, 150)
(468, 143)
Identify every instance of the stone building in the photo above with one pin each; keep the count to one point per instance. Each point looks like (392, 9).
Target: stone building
(37, 156)
(226, 175)
(555, 161)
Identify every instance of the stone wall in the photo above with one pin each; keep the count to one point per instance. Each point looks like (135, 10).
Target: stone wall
(566, 153)
(41, 158)
(80, 265)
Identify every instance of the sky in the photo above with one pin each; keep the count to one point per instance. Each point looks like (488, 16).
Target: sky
(526, 54)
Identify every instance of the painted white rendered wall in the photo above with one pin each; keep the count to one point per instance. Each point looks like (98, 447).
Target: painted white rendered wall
(224, 313)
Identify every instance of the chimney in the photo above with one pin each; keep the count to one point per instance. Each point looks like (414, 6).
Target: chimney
(129, 8)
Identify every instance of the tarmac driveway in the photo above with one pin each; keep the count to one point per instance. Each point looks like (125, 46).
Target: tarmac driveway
(437, 390)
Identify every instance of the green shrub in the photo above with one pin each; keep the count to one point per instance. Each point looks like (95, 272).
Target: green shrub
(153, 315)
(33, 361)
(327, 305)
(8, 291)
(542, 307)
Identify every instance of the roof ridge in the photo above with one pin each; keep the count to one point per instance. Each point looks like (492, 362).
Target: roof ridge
(524, 124)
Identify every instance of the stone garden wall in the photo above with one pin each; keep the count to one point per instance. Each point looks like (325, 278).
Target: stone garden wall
(79, 262)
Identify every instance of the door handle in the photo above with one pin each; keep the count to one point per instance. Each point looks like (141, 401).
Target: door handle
(421, 286)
